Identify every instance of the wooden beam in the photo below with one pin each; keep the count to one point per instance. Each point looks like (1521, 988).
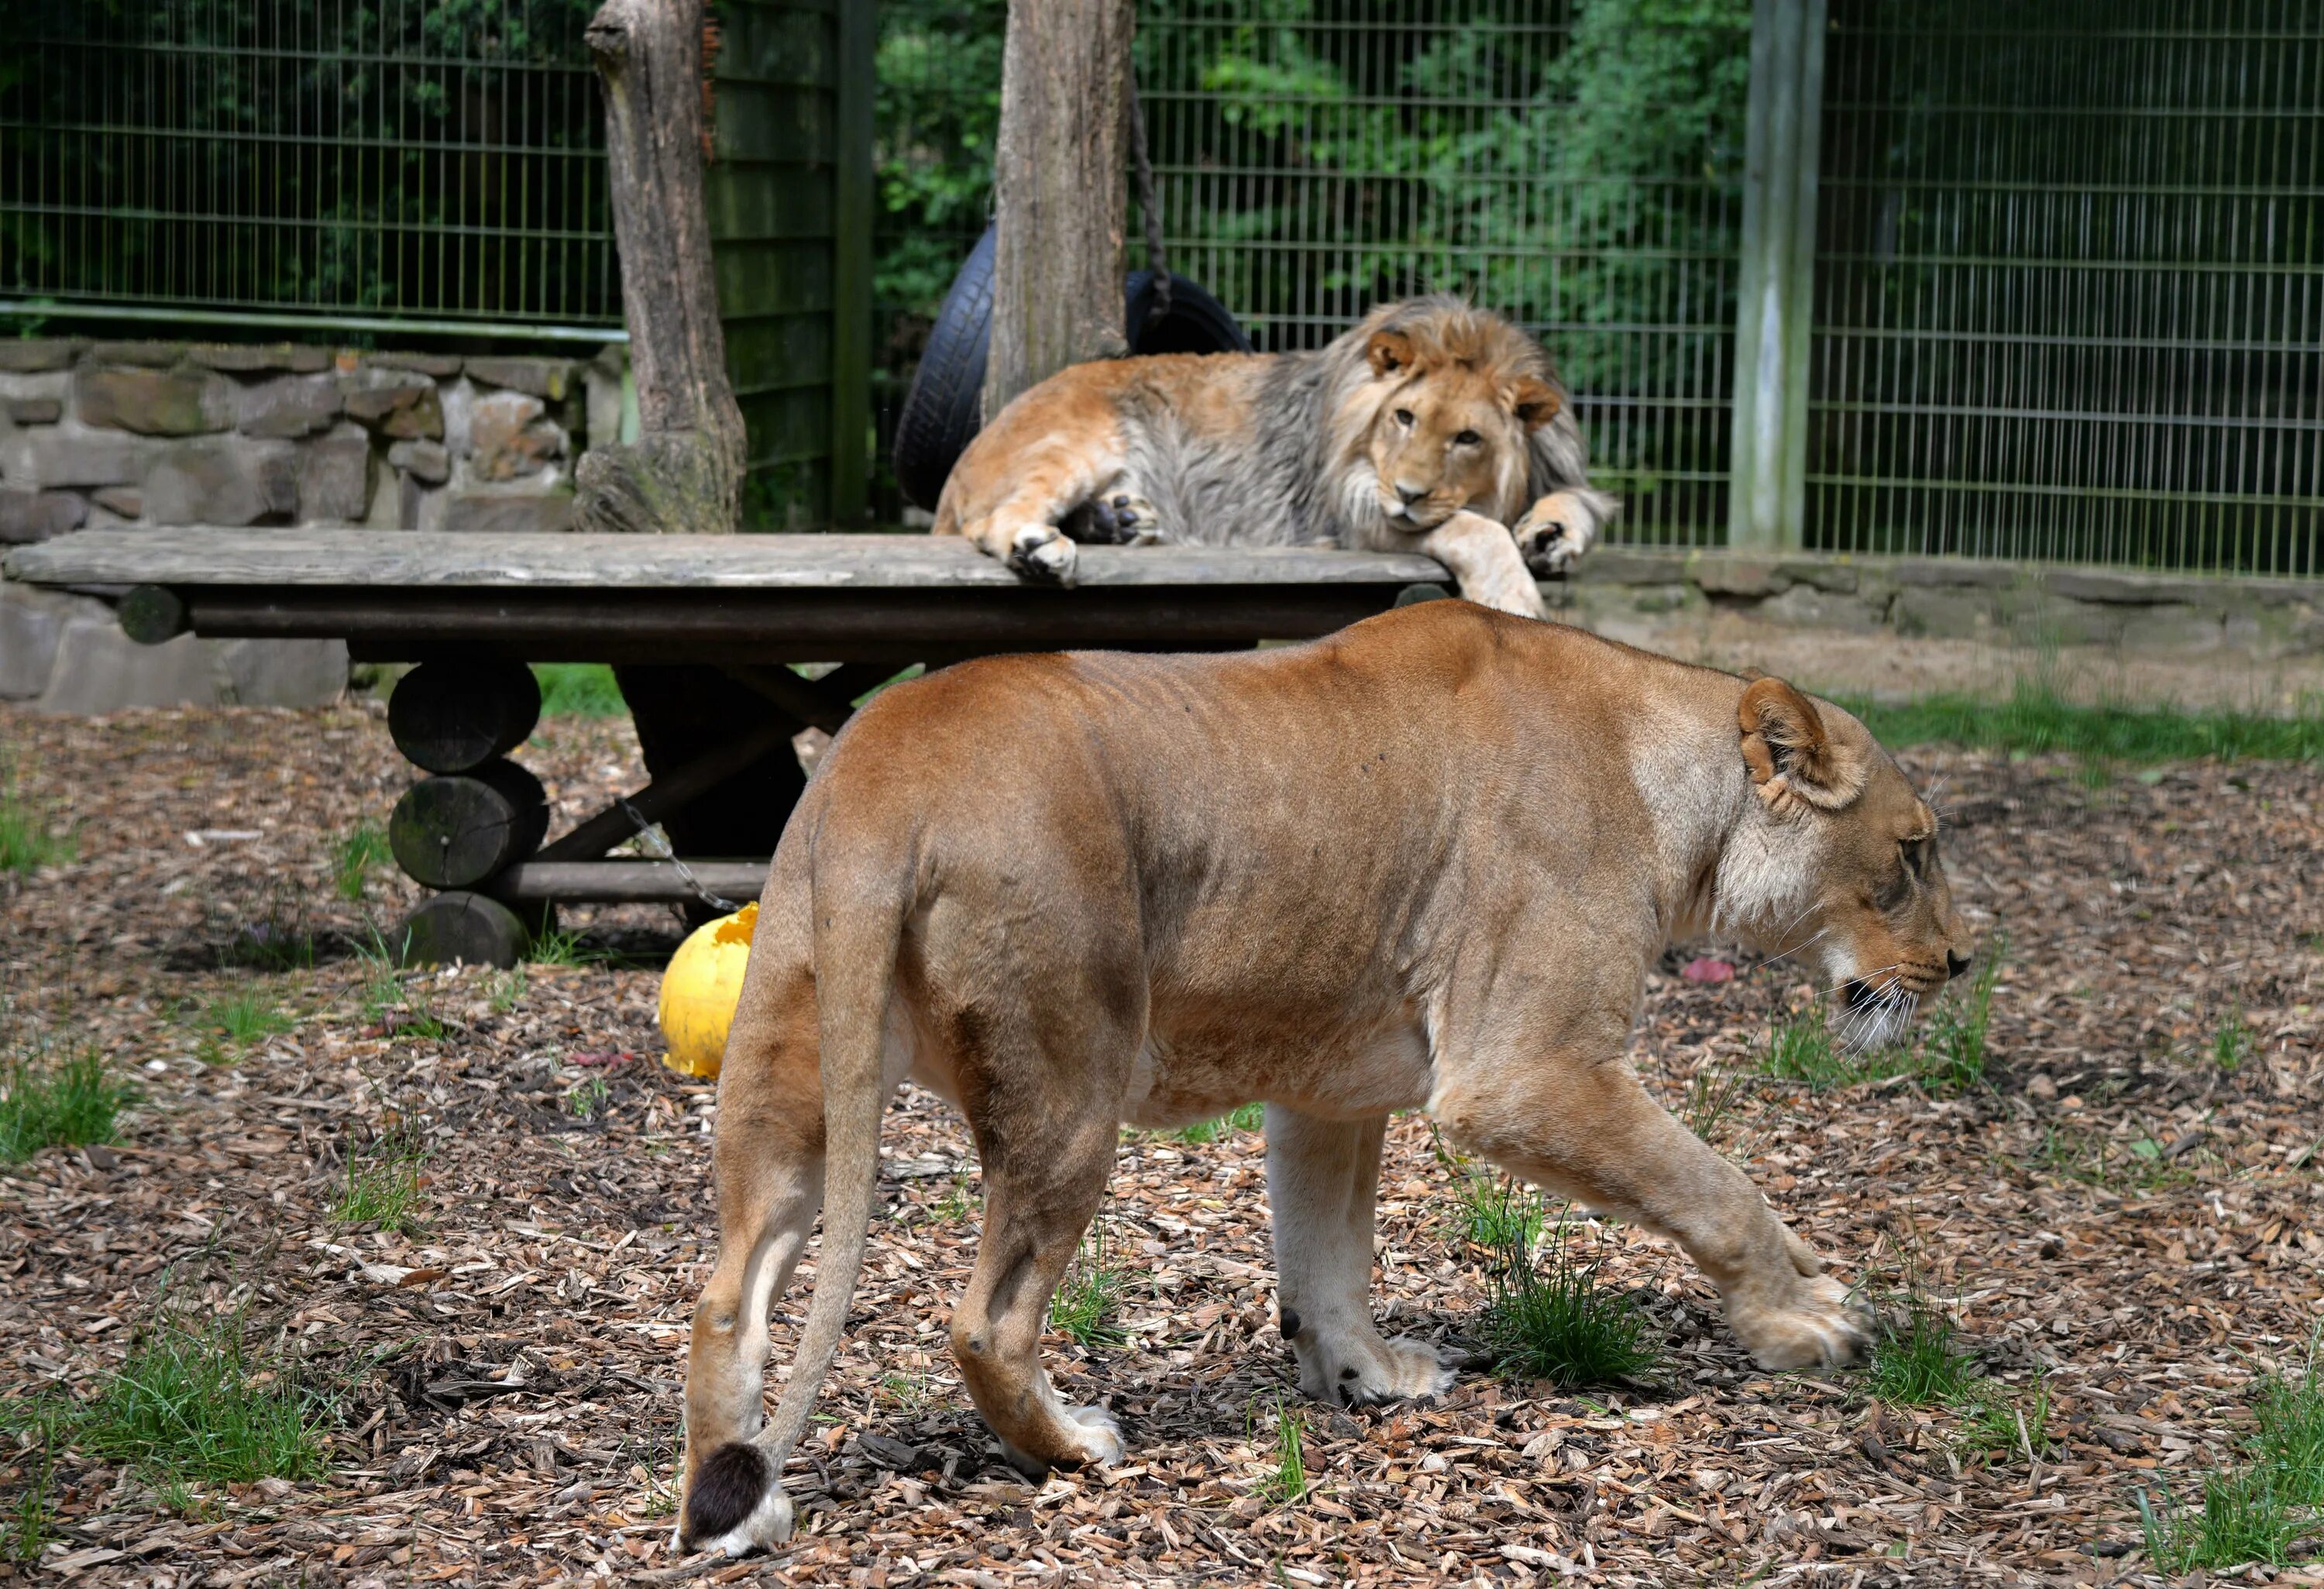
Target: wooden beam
(1774, 308)
(685, 470)
(1061, 203)
(626, 881)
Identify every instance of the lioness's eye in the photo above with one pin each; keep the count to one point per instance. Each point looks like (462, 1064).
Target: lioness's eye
(1916, 856)
(1467, 439)
(1404, 415)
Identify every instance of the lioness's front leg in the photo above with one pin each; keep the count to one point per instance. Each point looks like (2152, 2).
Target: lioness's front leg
(1583, 1125)
(1323, 1176)
(1485, 562)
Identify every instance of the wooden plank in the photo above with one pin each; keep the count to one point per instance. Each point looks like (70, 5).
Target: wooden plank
(752, 200)
(756, 120)
(850, 272)
(189, 557)
(627, 881)
(778, 353)
(772, 278)
(761, 43)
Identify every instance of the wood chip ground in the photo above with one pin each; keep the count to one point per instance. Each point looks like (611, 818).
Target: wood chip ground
(2113, 1213)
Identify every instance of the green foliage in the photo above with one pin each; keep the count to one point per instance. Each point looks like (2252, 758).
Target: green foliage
(936, 109)
(1087, 1307)
(27, 842)
(193, 1403)
(2036, 719)
(353, 857)
(56, 1103)
(579, 689)
(1249, 1117)
(587, 1100)
(2232, 1042)
(382, 1182)
(1496, 1212)
(1952, 1046)
(2269, 1508)
(1917, 1360)
(1289, 1483)
(246, 1018)
(1549, 1319)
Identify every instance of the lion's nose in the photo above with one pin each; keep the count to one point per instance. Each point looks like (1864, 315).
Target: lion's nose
(1955, 964)
(1411, 494)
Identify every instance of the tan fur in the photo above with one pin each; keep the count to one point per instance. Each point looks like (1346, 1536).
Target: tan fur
(1432, 427)
(1425, 861)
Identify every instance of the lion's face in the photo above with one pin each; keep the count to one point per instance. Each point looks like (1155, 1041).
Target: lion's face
(1867, 904)
(1447, 434)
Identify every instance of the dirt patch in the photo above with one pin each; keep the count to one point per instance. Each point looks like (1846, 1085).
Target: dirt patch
(2113, 1214)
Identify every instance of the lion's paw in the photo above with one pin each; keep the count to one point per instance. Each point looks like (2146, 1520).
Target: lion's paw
(1817, 1326)
(1553, 535)
(1364, 1370)
(1040, 553)
(1121, 518)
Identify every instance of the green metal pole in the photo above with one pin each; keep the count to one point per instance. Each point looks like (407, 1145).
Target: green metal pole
(850, 278)
(1774, 306)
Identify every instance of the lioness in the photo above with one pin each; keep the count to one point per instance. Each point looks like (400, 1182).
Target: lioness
(1432, 427)
(1425, 862)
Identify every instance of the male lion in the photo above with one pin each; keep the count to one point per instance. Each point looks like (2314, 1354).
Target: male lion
(1428, 428)
(1423, 862)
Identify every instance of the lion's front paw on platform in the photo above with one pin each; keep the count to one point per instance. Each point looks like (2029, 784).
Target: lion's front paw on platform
(1042, 554)
(1817, 1326)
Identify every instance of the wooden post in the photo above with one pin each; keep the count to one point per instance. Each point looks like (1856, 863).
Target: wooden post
(684, 474)
(1058, 167)
(1775, 308)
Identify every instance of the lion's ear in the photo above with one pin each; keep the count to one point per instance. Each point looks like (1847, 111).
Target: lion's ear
(1534, 403)
(1792, 756)
(1388, 351)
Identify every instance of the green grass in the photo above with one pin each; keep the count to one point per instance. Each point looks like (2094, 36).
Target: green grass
(381, 1182)
(2036, 718)
(1712, 1098)
(246, 1019)
(2233, 1042)
(1496, 1212)
(1087, 1307)
(2263, 1509)
(1995, 1427)
(353, 858)
(47, 1103)
(578, 689)
(557, 947)
(1550, 1319)
(1289, 1483)
(28, 1526)
(388, 1001)
(26, 840)
(193, 1404)
(1803, 1048)
(1250, 1117)
(587, 1100)
(1917, 1360)
(1952, 1043)
(507, 989)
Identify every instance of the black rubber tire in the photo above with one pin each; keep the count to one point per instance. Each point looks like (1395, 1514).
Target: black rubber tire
(942, 410)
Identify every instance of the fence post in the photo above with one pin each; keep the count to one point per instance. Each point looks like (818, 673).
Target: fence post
(1775, 303)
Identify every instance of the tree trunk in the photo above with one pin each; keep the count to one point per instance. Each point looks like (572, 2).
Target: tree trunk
(685, 471)
(1057, 172)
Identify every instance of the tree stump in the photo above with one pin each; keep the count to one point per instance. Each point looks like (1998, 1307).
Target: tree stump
(1062, 205)
(455, 832)
(462, 926)
(684, 474)
(453, 716)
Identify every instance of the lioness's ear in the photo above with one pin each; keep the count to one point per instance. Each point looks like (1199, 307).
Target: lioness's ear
(1534, 403)
(1792, 756)
(1388, 351)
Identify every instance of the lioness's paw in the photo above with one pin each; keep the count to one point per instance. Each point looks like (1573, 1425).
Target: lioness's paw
(1364, 1370)
(1087, 1435)
(1816, 1326)
(1038, 552)
(1122, 519)
(1553, 535)
(735, 1504)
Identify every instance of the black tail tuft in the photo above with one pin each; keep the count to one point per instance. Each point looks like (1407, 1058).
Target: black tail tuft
(726, 1490)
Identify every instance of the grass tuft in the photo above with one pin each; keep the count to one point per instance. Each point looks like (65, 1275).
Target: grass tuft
(2270, 1507)
(1289, 1483)
(246, 1018)
(193, 1404)
(2233, 1042)
(353, 858)
(1953, 1047)
(1087, 1307)
(1917, 1360)
(578, 689)
(26, 842)
(66, 1103)
(559, 947)
(1549, 1319)
(1250, 1117)
(28, 1527)
(382, 1182)
(2036, 719)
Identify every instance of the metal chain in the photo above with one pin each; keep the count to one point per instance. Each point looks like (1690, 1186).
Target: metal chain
(652, 837)
(1157, 261)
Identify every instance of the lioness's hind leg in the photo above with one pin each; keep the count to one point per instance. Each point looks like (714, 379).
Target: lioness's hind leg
(767, 1168)
(1039, 1196)
(1322, 1177)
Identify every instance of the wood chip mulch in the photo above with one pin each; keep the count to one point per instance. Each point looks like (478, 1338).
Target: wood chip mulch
(2113, 1213)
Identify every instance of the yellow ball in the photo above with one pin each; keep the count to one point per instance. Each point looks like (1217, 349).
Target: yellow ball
(700, 990)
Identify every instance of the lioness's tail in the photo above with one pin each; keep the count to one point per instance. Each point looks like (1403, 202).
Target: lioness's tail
(862, 893)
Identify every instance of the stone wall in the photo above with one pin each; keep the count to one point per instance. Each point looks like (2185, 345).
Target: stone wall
(127, 433)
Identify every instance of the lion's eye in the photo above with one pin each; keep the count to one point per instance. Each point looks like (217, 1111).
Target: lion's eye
(1404, 415)
(1916, 856)
(1467, 439)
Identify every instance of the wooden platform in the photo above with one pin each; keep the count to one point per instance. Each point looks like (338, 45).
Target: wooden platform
(408, 595)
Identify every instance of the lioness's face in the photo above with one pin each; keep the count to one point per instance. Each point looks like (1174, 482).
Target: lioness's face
(1448, 436)
(1876, 914)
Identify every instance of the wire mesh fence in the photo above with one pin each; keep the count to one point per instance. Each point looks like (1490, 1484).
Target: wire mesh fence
(306, 161)
(2071, 282)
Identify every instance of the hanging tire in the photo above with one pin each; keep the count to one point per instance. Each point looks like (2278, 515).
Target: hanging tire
(942, 410)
